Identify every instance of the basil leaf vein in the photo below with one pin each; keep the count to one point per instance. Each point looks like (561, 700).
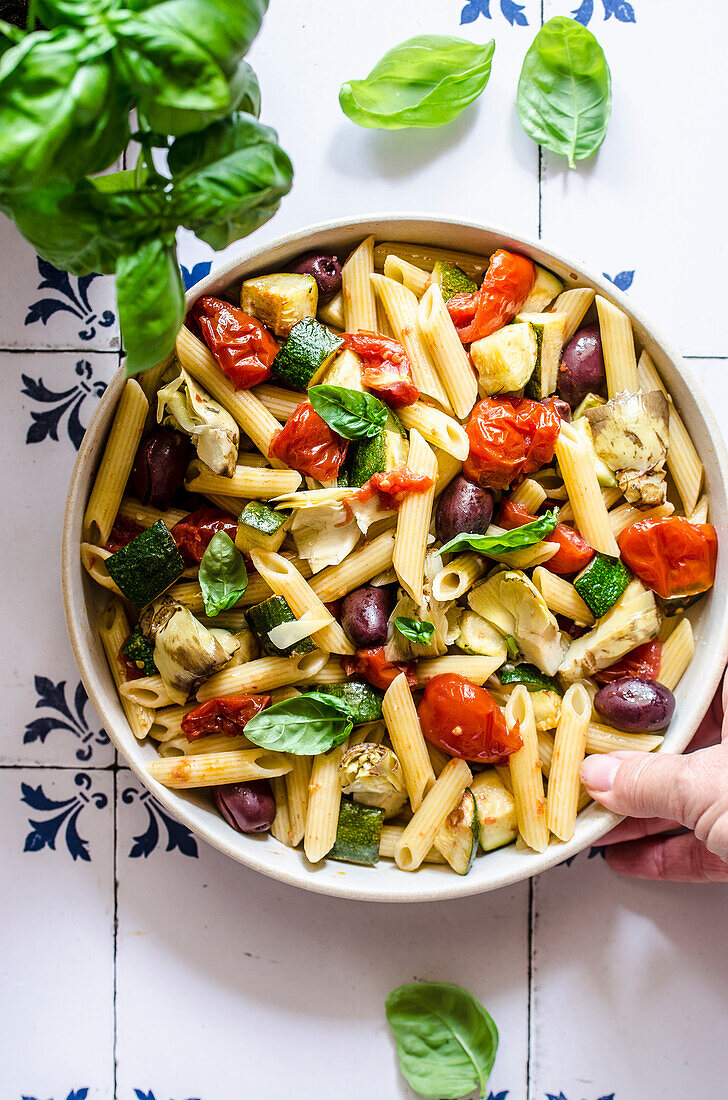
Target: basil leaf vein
(351, 413)
(446, 1041)
(223, 577)
(517, 539)
(305, 725)
(414, 630)
(565, 90)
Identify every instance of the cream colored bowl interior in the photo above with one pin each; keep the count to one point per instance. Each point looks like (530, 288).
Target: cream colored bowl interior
(83, 600)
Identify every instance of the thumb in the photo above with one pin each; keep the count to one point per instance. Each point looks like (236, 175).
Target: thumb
(640, 785)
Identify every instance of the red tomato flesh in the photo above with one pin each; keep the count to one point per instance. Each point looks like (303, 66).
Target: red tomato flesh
(193, 533)
(242, 346)
(387, 369)
(227, 716)
(642, 661)
(306, 443)
(464, 720)
(505, 287)
(373, 665)
(508, 437)
(672, 556)
(573, 553)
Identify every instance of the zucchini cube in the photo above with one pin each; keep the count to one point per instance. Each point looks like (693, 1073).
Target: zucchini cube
(146, 566)
(306, 354)
(260, 528)
(280, 301)
(506, 359)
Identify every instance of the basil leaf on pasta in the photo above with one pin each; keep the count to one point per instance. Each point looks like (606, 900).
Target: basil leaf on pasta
(305, 725)
(414, 630)
(223, 576)
(351, 413)
(517, 539)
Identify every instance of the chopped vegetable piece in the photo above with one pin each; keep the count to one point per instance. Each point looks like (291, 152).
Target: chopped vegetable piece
(357, 833)
(506, 359)
(602, 582)
(243, 347)
(306, 354)
(544, 290)
(373, 776)
(496, 810)
(642, 661)
(531, 677)
(271, 613)
(280, 301)
(451, 280)
(227, 717)
(147, 565)
(387, 368)
(510, 601)
(458, 837)
(632, 621)
(193, 533)
(672, 555)
(505, 287)
(260, 528)
(465, 721)
(363, 702)
(373, 665)
(137, 649)
(186, 653)
(306, 443)
(573, 553)
(479, 638)
(383, 452)
(184, 405)
(549, 330)
(509, 437)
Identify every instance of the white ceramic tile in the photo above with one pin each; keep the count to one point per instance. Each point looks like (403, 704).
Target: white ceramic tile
(56, 948)
(248, 980)
(648, 201)
(629, 983)
(49, 399)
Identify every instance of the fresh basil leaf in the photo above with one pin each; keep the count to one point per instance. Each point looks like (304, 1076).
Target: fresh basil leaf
(244, 94)
(446, 1041)
(426, 81)
(306, 725)
(228, 179)
(151, 302)
(565, 90)
(351, 413)
(531, 677)
(517, 539)
(414, 630)
(223, 577)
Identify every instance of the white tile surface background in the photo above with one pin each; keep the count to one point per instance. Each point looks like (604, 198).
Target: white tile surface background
(138, 964)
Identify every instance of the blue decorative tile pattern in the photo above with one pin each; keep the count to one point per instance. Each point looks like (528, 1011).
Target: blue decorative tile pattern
(190, 276)
(179, 837)
(67, 298)
(622, 280)
(53, 697)
(74, 1094)
(46, 422)
(511, 11)
(43, 833)
(140, 1094)
(561, 1096)
(620, 9)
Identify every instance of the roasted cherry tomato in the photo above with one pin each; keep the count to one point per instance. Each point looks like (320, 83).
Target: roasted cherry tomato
(306, 443)
(508, 437)
(672, 556)
(465, 720)
(193, 533)
(387, 368)
(642, 661)
(573, 553)
(505, 287)
(227, 716)
(397, 483)
(123, 531)
(377, 670)
(242, 346)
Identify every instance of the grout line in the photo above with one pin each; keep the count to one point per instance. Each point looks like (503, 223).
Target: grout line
(79, 767)
(115, 858)
(530, 987)
(57, 350)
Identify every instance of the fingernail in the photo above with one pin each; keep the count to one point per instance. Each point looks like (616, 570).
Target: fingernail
(598, 772)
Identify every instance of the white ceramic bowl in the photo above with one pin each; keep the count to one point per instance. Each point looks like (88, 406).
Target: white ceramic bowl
(83, 600)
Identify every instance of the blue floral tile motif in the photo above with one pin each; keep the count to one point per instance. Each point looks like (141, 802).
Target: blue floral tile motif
(622, 280)
(43, 833)
(498, 1095)
(190, 276)
(53, 697)
(179, 836)
(560, 1096)
(620, 9)
(46, 422)
(511, 11)
(67, 298)
(593, 853)
(74, 1094)
(140, 1094)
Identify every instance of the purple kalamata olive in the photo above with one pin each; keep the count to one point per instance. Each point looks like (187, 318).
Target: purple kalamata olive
(365, 615)
(463, 507)
(582, 366)
(561, 407)
(325, 269)
(248, 807)
(160, 466)
(635, 704)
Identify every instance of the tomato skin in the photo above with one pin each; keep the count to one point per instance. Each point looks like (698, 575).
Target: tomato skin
(373, 665)
(123, 531)
(465, 721)
(242, 346)
(387, 368)
(193, 533)
(397, 483)
(643, 661)
(227, 716)
(672, 556)
(306, 443)
(508, 437)
(505, 287)
(573, 553)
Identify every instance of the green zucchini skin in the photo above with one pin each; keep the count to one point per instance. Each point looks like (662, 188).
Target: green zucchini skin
(146, 566)
(366, 457)
(262, 617)
(357, 833)
(137, 649)
(364, 701)
(305, 355)
(531, 677)
(451, 280)
(459, 837)
(602, 582)
(260, 527)
(675, 605)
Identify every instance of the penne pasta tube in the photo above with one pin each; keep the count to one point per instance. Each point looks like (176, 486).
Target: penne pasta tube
(407, 739)
(621, 517)
(609, 496)
(699, 513)
(437, 428)
(402, 271)
(419, 834)
(545, 751)
(683, 460)
(360, 566)
(447, 468)
(574, 303)
(331, 673)
(677, 653)
(390, 837)
(332, 313)
(561, 597)
(213, 768)
(116, 463)
(93, 559)
(114, 629)
(281, 403)
(167, 722)
(530, 495)
(324, 800)
(451, 361)
(261, 676)
(601, 738)
(146, 691)
(413, 522)
(459, 575)
(475, 669)
(426, 256)
(525, 773)
(620, 362)
(213, 743)
(281, 826)
(144, 515)
(247, 481)
(360, 303)
(297, 781)
(585, 495)
(400, 306)
(569, 749)
(285, 580)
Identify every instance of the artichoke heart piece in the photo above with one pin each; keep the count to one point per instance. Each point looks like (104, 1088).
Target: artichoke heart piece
(186, 653)
(511, 603)
(631, 432)
(633, 619)
(506, 359)
(184, 405)
(372, 774)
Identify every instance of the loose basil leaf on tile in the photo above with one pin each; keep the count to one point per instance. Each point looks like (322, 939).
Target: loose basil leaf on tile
(565, 90)
(305, 725)
(426, 81)
(223, 576)
(415, 631)
(446, 1041)
(151, 301)
(351, 413)
(517, 539)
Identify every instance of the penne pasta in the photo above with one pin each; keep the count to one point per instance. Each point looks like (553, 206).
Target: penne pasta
(400, 305)
(407, 740)
(677, 653)
(413, 522)
(475, 669)
(601, 738)
(324, 799)
(561, 597)
(683, 461)
(247, 481)
(574, 303)
(437, 428)
(620, 362)
(297, 781)
(525, 773)
(390, 837)
(284, 580)
(214, 768)
(93, 559)
(360, 566)
(609, 496)
(530, 495)
(261, 676)
(281, 403)
(144, 515)
(281, 827)
(402, 271)
(116, 463)
(699, 513)
(114, 629)
(459, 575)
(452, 364)
(447, 469)
(360, 303)
(146, 691)
(426, 256)
(585, 495)
(569, 749)
(419, 834)
(625, 514)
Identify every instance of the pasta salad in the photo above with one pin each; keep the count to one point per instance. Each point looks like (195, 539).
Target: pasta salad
(391, 545)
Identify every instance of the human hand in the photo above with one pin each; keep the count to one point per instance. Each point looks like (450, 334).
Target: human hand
(664, 793)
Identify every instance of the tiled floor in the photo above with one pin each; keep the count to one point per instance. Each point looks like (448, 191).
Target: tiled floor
(138, 964)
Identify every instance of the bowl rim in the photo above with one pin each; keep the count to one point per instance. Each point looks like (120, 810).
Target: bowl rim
(595, 821)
